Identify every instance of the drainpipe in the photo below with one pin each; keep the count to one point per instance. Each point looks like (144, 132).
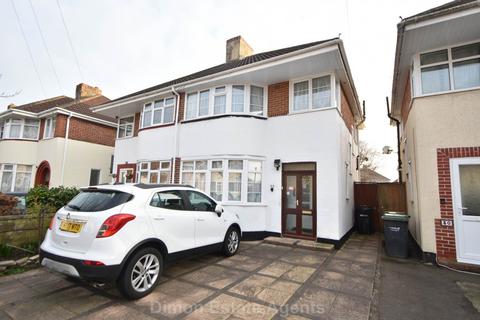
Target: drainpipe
(364, 116)
(67, 129)
(397, 123)
(175, 138)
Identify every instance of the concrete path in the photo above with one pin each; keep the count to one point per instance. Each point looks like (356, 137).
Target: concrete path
(263, 281)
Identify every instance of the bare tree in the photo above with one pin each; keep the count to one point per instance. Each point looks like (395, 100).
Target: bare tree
(368, 156)
(4, 94)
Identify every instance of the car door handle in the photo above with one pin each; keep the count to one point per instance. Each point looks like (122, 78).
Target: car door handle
(159, 218)
(200, 219)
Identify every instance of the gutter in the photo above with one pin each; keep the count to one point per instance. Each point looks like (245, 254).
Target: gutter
(397, 122)
(65, 144)
(175, 138)
(364, 116)
(166, 90)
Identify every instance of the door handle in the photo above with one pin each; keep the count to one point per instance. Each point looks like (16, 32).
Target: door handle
(200, 219)
(297, 202)
(463, 208)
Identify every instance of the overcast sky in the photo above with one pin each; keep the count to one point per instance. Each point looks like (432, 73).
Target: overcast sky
(124, 46)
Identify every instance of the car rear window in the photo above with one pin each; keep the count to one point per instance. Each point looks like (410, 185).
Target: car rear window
(98, 200)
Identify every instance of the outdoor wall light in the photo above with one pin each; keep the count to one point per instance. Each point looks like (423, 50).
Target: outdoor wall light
(271, 187)
(276, 164)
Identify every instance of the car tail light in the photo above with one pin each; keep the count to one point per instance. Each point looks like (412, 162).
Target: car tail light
(93, 263)
(51, 223)
(113, 224)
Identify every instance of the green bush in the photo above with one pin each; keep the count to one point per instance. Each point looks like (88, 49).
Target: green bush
(53, 198)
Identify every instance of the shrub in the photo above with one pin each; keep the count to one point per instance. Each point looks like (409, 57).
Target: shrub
(53, 198)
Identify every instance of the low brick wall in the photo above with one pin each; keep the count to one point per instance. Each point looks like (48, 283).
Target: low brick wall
(22, 229)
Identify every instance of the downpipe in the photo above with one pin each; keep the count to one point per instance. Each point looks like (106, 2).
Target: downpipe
(397, 123)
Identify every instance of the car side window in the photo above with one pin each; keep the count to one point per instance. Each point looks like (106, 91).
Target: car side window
(200, 202)
(171, 200)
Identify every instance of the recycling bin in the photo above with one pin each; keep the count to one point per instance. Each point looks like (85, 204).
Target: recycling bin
(395, 228)
(364, 220)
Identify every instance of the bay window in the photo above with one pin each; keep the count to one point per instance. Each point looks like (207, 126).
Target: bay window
(158, 112)
(49, 129)
(228, 180)
(125, 127)
(312, 94)
(238, 98)
(154, 172)
(15, 177)
(20, 129)
(448, 69)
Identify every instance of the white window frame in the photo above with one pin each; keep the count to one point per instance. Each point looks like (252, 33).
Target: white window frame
(7, 125)
(49, 129)
(225, 172)
(14, 174)
(125, 125)
(228, 104)
(149, 170)
(334, 100)
(417, 72)
(163, 107)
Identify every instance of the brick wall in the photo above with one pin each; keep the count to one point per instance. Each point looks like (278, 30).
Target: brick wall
(136, 124)
(176, 170)
(181, 106)
(60, 126)
(346, 110)
(84, 130)
(407, 99)
(42, 129)
(278, 99)
(445, 235)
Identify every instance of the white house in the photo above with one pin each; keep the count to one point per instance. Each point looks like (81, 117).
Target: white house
(273, 136)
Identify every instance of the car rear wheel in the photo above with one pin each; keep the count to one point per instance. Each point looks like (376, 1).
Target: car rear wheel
(141, 274)
(231, 242)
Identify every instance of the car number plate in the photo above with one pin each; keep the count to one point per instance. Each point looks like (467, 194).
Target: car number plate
(70, 226)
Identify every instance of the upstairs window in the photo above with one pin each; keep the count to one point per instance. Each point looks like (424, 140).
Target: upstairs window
(312, 94)
(158, 112)
(238, 98)
(448, 69)
(125, 127)
(20, 129)
(256, 100)
(49, 130)
(220, 101)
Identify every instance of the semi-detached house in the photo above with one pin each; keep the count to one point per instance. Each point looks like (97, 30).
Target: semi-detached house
(272, 136)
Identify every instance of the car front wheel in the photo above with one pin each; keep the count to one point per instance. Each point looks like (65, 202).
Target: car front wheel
(231, 242)
(141, 274)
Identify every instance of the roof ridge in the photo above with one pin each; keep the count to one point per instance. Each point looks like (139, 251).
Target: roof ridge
(45, 100)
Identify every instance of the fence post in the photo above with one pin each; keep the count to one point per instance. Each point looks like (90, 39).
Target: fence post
(41, 218)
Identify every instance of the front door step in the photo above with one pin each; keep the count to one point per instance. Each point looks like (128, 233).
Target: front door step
(297, 243)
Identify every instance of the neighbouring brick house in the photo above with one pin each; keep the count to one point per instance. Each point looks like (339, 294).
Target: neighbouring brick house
(57, 141)
(436, 96)
(273, 136)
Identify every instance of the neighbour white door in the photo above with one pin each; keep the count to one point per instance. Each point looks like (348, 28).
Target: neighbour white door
(465, 173)
(126, 175)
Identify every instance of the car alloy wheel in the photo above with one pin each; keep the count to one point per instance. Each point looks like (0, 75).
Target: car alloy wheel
(232, 242)
(145, 272)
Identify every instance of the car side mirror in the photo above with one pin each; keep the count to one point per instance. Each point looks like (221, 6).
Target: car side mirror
(219, 210)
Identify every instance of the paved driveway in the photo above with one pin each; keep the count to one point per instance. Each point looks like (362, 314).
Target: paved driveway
(262, 281)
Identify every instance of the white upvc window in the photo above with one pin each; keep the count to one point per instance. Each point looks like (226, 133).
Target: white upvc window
(226, 99)
(125, 127)
(49, 129)
(226, 180)
(314, 93)
(154, 172)
(158, 112)
(15, 177)
(447, 69)
(26, 129)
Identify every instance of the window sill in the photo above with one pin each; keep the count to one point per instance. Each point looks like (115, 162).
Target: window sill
(157, 126)
(240, 115)
(125, 138)
(243, 204)
(292, 112)
(18, 139)
(445, 92)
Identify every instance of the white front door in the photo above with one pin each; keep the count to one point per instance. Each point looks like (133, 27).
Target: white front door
(126, 175)
(465, 173)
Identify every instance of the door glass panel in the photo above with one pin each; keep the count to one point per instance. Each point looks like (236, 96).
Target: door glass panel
(291, 223)
(470, 189)
(307, 224)
(291, 192)
(307, 195)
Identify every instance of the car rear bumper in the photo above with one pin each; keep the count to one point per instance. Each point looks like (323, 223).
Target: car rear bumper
(76, 268)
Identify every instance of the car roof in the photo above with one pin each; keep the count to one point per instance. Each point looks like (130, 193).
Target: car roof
(138, 187)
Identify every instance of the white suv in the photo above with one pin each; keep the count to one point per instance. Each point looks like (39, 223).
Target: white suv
(125, 233)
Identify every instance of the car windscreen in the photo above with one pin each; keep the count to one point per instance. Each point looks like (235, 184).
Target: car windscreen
(98, 200)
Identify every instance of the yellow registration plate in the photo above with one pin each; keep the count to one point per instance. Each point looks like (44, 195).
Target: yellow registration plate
(71, 226)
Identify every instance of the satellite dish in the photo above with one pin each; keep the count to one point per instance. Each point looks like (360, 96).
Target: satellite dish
(387, 150)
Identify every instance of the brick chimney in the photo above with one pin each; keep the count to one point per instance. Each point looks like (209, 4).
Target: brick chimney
(86, 91)
(11, 106)
(237, 48)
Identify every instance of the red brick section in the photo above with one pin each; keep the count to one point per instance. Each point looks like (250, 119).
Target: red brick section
(445, 235)
(278, 99)
(181, 107)
(126, 166)
(136, 124)
(176, 177)
(60, 126)
(42, 128)
(407, 99)
(87, 131)
(346, 110)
